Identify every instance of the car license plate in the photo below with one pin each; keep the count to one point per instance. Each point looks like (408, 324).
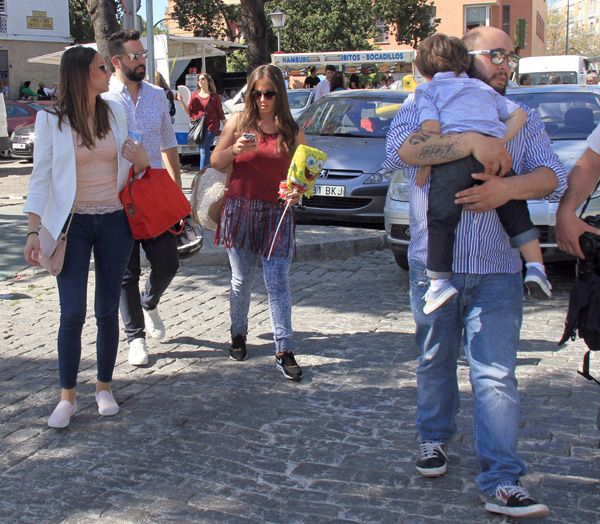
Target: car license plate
(19, 146)
(331, 191)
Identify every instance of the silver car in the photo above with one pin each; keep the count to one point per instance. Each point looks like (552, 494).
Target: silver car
(350, 126)
(570, 113)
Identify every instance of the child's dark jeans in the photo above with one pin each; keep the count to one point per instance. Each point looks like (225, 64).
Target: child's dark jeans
(443, 214)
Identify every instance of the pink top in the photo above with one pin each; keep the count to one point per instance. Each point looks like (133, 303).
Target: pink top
(97, 175)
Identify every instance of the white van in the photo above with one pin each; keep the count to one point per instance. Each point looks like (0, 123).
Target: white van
(557, 69)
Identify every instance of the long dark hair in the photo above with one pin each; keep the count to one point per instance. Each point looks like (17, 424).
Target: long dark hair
(72, 104)
(286, 126)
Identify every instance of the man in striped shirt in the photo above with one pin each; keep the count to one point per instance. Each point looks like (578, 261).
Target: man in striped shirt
(485, 317)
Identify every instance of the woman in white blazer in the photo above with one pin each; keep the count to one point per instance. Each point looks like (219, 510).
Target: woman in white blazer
(81, 160)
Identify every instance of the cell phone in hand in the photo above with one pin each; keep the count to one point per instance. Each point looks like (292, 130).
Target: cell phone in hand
(250, 136)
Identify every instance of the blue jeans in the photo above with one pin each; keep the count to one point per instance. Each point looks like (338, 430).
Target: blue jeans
(109, 236)
(276, 276)
(205, 146)
(485, 319)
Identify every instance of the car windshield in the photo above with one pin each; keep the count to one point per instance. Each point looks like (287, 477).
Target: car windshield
(566, 115)
(553, 77)
(298, 99)
(351, 116)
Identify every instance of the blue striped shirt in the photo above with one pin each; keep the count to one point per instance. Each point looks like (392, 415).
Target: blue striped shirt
(481, 245)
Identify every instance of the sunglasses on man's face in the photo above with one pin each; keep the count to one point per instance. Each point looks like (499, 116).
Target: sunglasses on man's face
(269, 95)
(134, 57)
(498, 56)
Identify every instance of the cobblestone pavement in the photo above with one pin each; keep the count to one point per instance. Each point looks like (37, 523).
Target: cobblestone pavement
(203, 439)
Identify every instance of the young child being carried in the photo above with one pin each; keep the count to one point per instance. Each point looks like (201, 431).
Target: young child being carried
(451, 102)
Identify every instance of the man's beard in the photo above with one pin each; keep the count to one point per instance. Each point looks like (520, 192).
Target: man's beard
(473, 72)
(135, 75)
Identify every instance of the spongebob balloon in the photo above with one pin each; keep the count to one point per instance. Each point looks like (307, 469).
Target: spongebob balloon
(304, 170)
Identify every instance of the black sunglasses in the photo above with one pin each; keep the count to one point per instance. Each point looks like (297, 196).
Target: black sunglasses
(498, 56)
(269, 95)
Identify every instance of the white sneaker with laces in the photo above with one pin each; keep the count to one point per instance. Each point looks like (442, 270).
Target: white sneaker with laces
(436, 299)
(138, 352)
(153, 323)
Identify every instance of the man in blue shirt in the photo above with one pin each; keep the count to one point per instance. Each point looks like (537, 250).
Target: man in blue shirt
(485, 317)
(148, 120)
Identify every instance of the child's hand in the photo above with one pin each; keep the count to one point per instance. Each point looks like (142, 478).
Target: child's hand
(422, 175)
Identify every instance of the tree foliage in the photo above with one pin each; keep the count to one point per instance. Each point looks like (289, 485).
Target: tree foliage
(206, 18)
(581, 41)
(410, 21)
(327, 25)
(80, 21)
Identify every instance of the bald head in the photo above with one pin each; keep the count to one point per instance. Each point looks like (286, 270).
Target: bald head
(485, 37)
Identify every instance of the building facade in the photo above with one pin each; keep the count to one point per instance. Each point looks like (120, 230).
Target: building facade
(583, 15)
(31, 28)
(458, 16)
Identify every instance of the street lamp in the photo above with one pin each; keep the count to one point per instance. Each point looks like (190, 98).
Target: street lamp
(567, 35)
(278, 18)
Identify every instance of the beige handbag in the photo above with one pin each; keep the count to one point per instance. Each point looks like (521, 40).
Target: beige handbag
(208, 193)
(52, 252)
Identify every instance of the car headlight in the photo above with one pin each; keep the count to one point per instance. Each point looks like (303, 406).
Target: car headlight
(399, 185)
(383, 176)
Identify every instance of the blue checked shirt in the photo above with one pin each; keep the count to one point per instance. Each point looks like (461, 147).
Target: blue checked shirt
(481, 245)
(150, 116)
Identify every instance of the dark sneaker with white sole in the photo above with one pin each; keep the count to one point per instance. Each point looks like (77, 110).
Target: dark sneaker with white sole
(515, 502)
(432, 460)
(238, 348)
(286, 363)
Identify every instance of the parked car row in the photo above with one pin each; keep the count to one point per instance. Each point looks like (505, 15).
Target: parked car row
(21, 120)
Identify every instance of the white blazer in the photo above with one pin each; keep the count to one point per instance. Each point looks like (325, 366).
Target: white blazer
(53, 181)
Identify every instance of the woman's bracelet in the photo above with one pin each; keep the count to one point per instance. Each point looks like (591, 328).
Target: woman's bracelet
(33, 233)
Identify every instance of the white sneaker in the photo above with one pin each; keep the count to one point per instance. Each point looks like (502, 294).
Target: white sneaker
(154, 324)
(138, 352)
(437, 299)
(61, 416)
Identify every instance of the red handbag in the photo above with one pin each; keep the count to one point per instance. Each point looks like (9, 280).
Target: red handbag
(153, 203)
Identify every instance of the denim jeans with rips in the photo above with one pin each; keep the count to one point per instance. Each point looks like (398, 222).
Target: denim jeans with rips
(276, 276)
(485, 319)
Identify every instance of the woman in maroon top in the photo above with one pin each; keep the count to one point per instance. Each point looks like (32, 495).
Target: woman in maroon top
(206, 101)
(257, 146)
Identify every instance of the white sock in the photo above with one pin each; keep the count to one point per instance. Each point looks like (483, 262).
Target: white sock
(536, 265)
(438, 283)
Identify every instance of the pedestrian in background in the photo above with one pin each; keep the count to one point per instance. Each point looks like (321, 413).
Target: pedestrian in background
(338, 82)
(25, 91)
(354, 81)
(80, 165)
(205, 102)
(324, 86)
(149, 121)
(160, 81)
(257, 146)
(312, 79)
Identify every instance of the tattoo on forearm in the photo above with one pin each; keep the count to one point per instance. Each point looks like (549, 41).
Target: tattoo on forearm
(420, 137)
(443, 151)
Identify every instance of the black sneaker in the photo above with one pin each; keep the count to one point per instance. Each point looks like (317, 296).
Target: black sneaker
(432, 459)
(286, 363)
(238, 348)
(515, 501)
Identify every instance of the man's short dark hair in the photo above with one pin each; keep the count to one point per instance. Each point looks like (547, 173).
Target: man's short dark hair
(330, 67)
(438, 53)
(116, 41)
